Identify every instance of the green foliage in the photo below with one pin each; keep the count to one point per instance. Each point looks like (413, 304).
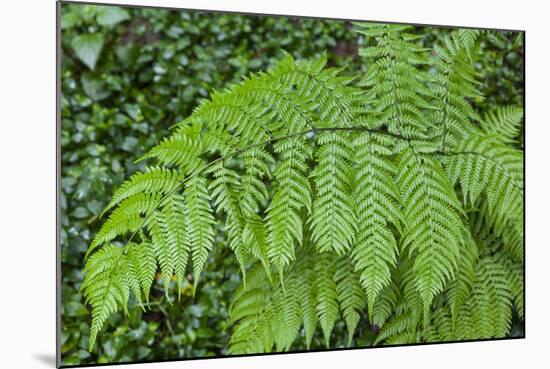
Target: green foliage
(315, 289)
(88, 47)
(505, 123)
(411, 200)
(433, 223)
(112, 273)
(483, 165)
(153, 69)
(375, 251)
(296, 172)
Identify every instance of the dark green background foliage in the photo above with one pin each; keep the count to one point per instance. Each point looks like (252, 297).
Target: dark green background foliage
(127, 76)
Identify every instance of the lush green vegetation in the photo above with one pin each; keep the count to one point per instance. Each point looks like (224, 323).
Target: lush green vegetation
(127, 76)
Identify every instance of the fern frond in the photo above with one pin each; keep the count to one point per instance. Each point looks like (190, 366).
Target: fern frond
(504, 122)
(292, 194)
(333, 220)
(164, 250)
(516, 283)
(199, 222)
(253, 191)
(105, 296)
(460, 288)
(397, 90)
(493, 300)
(154, 179)
(175, 234)
(129, 216)
(255, 239)
(454, 84)
(252, 310)
(433, 223)
(468, 326)
(181, 149)
(307, 294)
(468, 38)
(514, 273)
(442, 328)
(110, 277)
(288, 317)
(350, 194)
(400, 329)
(377, 198)
(267, 315)
(327, 296)
(225, 189)
(351, 296)
(482, 164)
(242, 117)
(143, 265)
(334, 98)
(384, 305)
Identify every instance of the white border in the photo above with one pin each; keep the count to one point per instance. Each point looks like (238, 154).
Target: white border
(27, 180)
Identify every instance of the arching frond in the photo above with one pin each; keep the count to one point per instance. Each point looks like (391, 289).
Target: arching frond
(333, 219)
(111, 274)
(377, 198)
(454, 85)
(199, 223)
(290, 198)
(154, 179)
(504, 122)
(351, 297)
(384, 204)
(129, 216)
(327, 296)
(397, 90)
(433, 223)
(483, 165)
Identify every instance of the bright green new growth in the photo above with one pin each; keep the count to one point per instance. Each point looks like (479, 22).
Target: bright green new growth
(387, 200)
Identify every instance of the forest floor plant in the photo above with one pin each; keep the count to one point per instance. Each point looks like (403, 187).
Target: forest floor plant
(386, 198)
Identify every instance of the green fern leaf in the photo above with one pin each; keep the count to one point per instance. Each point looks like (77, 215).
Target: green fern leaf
(199, 221)
(180, 149)
(293, 193)
(164, 252)
(351, 296)
(493, 300)
(504, 122)
(460, 288)
(454, 86)
(333, 219)
(341, 191)
(433, 224)
(153, 179)
(327, 296)
(481, 164)
(129, 216)
(142, 264)
(377, 200)
(106, 286)
(177, 239)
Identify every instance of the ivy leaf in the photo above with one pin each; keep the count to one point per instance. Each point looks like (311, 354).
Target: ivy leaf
(109, 16)
(94, 87)
(88, 47)
(69, 20)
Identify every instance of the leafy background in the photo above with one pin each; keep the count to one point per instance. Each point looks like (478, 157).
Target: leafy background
(129, 74)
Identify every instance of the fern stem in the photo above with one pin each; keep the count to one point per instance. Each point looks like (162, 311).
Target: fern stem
(261, 144)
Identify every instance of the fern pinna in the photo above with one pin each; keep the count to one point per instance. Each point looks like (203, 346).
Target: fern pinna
(385, 200)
